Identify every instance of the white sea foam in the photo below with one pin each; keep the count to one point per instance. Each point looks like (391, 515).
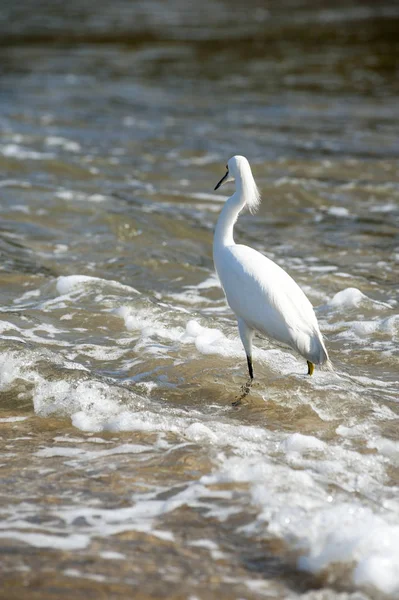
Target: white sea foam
(64, 143)
(78, 196)
(347, 533)
(324, 529)
(386, 447)
(348, 298)
(87, 455)
(42, 540)
(194, 294)
(84, 575)
(288, 477)
(389, 326)
(65, 397)
(15, 183)
(206, 159)
(379, 334)
(110, 555)
(204, 543)
(352, 298)
(151, 324)
(338, 211)
(27, 296)
(70, 283)
(211, 341)
(384, 207)
(379, 571)
(189, 297)
(141, 516)
(322, 268)
(20, 153)
(10, 369)
(209, 282)
(327, 501)
(301, 443)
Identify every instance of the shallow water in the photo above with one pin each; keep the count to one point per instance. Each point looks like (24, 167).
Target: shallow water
(126, 471)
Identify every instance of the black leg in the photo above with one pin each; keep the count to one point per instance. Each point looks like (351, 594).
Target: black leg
(250, 369)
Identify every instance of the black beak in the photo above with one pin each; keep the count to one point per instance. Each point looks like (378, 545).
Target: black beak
(217, 186)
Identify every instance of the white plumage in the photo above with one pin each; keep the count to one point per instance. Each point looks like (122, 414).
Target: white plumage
(262, 295)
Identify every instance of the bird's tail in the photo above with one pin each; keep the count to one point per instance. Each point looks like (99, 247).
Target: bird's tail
(328, 366)
(319, 354)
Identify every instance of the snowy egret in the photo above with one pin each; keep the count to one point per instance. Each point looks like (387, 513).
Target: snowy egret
(262, 295)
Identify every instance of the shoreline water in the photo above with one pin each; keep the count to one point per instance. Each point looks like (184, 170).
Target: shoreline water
(125, 468)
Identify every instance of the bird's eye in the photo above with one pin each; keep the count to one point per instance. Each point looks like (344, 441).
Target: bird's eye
(227, 168)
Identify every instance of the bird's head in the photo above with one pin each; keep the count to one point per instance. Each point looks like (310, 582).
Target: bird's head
(235, 166)
(239, 170)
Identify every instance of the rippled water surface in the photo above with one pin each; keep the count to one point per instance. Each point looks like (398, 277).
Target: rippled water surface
(126, 471)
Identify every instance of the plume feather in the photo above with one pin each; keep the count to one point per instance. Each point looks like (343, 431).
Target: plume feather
(252, 195)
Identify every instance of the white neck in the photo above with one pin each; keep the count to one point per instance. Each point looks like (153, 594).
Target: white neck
(227, 218)
(226, 221)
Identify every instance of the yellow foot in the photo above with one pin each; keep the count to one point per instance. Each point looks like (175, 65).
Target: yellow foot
(310, 367)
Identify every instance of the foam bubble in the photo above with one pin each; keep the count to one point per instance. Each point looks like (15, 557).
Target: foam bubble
(304, 490)
(338, 211)
(348, 298)
(198, 432)
(110, 555)
(69, 283)
(64, 143)
(352, 298)
(69, 195)
(382, 572)
(296, 506)
(386, 447)
(211, 341)
(297, 442)
(209, 282)
(146, 320)
(87, 455)
(10, 369)
(20, 153)
(41, 540)
(89, 401)
(205, 339)
(347, 533)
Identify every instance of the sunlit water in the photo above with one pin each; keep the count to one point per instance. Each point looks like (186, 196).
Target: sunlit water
(126, 471)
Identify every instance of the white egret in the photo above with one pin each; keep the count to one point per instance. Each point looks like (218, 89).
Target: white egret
(262, 295)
